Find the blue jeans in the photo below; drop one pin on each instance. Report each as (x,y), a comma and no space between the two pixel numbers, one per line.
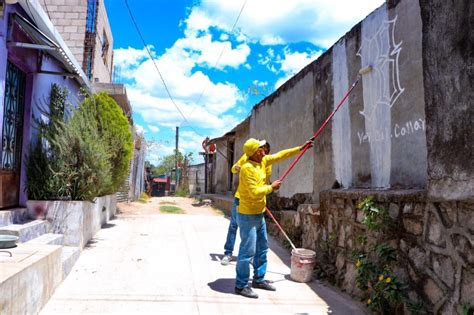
(232,232)
(253,243)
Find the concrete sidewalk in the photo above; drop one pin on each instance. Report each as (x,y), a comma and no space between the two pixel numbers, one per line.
(170,264)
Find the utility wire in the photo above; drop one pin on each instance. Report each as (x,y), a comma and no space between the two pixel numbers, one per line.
(215,66)
(159,72)
(222,51)
(156,66)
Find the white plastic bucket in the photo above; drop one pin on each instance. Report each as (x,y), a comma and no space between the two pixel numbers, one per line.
(302,264)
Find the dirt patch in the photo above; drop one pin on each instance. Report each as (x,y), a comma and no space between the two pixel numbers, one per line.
(152,207)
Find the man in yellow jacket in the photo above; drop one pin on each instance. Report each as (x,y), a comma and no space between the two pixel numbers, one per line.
(232,230)
(252,191)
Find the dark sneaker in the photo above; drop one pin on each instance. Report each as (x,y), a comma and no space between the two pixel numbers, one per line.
(247,292)
(264,285)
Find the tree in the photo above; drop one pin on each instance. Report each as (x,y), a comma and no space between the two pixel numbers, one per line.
(168,163)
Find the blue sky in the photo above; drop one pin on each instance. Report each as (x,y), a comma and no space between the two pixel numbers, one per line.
(272,41)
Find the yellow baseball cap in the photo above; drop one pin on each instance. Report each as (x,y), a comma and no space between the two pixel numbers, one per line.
(251,146)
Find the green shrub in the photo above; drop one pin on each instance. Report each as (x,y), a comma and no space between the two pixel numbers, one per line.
(44,163)
(86,159)
(114,129)
(182,192)
(78,159)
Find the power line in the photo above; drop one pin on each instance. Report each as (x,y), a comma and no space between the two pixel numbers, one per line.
(154,63)
(161,76)
(222,52)
(223,48)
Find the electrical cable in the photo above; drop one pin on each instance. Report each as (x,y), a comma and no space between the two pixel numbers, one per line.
(154,63)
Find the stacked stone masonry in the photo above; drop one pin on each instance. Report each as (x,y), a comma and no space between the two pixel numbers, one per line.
(434,242)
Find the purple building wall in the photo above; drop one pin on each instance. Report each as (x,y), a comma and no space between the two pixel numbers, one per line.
(38,85)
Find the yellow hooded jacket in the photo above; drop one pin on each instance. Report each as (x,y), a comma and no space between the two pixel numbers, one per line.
(252,190)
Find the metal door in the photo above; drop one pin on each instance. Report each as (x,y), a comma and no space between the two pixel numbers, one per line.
(10,158)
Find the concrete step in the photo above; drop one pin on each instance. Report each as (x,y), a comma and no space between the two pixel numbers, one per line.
(13,216)
(49,239)
(29,277)
(69,256)
(26,231)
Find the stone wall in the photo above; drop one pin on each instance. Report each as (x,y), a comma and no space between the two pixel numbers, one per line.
(434,242)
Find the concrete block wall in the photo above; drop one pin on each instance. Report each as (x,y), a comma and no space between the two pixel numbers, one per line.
(103,64)
(69,17)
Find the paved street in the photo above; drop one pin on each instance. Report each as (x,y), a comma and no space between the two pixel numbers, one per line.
(146,262)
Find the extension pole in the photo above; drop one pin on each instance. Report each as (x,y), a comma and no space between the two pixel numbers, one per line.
(362,71)
(281,229)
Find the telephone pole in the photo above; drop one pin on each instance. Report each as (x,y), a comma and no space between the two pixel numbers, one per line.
(176,161)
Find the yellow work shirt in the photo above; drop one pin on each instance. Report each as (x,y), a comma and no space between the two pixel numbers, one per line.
(243,159)
(252,190)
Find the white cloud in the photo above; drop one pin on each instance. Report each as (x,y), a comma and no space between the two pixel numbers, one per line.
(139,128)
(153,128)
(288,63)
(150,99)
(293,62)
(321,22)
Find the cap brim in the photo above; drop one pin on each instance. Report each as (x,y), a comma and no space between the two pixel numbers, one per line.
(262,142)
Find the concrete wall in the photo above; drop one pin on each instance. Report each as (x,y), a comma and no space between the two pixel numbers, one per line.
(448,86)
(221,167)
(78,221)
(69,17)
(196,179)
(285,120)
(377,139)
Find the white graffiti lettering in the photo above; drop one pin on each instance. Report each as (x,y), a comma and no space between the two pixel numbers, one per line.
(398,131)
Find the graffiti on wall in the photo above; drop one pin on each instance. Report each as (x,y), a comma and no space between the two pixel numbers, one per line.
(381,51)
(397,131)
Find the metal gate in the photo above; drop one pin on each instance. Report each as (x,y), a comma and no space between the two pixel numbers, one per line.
(10,163)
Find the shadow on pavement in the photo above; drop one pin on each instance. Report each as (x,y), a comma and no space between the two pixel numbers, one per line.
(225,285)
(108,225)
(338,302)
(218,257)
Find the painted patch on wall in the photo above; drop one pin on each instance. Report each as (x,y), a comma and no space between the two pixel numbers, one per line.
(381,51)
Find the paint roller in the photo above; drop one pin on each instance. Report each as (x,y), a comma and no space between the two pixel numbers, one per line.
(365,70)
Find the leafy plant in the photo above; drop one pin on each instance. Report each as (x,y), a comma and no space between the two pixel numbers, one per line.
(467,309)
(182,192)
(72,158)
(43,162)
(387,294)
(113,128)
